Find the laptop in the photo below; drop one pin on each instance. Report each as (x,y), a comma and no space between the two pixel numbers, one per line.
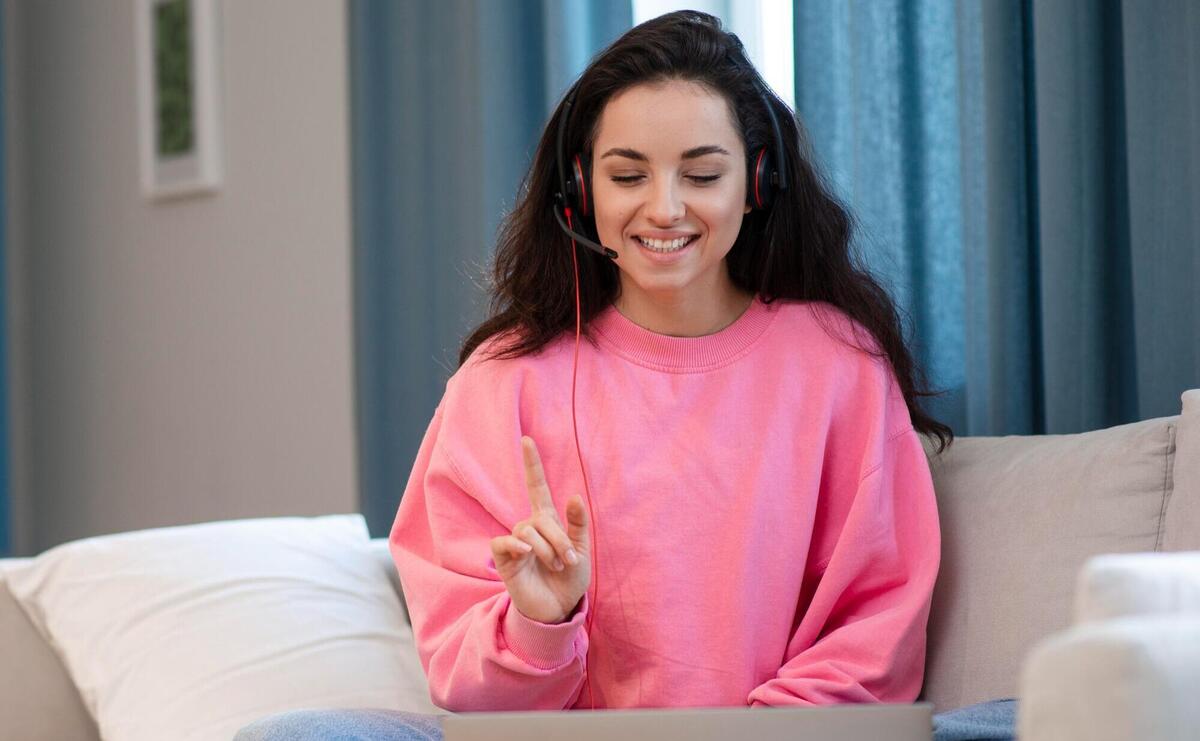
(834,722)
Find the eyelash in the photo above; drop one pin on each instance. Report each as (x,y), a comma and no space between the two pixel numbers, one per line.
(699,179)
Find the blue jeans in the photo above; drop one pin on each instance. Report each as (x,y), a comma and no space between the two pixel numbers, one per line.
(986,721)
(350,724)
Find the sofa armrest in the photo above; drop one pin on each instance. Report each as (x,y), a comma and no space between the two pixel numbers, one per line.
(1122,585)
(38,700)
(1129,678)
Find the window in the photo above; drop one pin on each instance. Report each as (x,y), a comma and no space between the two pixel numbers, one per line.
(764,26)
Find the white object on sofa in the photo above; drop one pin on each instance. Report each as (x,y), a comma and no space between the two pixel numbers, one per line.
(1130,667)
(1119,585)
(192,632)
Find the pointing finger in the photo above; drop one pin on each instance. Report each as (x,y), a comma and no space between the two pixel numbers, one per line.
(535,477)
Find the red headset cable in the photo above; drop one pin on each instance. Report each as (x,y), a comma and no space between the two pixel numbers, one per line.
(594,540)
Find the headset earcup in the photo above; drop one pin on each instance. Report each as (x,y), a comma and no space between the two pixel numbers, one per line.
(581,186)
(759,190)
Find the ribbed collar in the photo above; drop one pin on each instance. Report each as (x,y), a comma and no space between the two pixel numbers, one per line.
(683,354)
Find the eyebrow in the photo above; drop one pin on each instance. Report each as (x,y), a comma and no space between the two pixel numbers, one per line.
(690,154)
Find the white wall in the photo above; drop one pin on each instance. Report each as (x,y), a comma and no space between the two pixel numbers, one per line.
(182,361)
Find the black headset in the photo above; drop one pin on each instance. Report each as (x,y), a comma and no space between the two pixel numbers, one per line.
(767,175)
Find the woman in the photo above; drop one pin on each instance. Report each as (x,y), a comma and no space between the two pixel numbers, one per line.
(720,498)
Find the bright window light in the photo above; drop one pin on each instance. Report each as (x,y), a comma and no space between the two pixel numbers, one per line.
(764,26)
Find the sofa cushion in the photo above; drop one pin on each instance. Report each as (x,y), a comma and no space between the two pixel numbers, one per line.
(1181,531)
(1019,517)
(192,632)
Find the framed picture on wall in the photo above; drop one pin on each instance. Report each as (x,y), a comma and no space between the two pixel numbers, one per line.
(179,138)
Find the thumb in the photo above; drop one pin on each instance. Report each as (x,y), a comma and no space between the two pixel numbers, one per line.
(577,524)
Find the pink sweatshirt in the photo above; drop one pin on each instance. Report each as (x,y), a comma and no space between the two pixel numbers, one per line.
(765,526)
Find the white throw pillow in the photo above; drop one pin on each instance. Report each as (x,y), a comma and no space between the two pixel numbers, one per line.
(192,632)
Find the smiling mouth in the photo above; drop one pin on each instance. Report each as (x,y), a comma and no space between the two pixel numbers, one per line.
(664,247)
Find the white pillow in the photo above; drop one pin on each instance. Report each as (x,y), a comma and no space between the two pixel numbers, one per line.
(192,632)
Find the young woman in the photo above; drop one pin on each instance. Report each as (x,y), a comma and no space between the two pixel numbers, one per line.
(749,518)
(719,498)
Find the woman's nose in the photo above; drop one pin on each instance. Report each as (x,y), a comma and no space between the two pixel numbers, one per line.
(665,205)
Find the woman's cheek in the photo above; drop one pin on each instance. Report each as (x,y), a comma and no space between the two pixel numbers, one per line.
(613,218)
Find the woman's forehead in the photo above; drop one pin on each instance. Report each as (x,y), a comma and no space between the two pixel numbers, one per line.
(666,119)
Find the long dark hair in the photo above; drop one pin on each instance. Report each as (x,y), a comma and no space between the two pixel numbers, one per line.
(799,249)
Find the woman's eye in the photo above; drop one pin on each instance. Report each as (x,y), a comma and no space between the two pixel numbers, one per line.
(694,178)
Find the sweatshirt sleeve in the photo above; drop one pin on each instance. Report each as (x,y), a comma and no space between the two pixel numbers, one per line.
(865,601)
(479,652)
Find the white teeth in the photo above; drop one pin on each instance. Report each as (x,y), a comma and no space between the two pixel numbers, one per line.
(659,245)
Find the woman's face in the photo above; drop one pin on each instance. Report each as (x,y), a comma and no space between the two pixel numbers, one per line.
(669,168)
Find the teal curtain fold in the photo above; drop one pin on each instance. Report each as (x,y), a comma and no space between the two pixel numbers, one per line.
(1025,176)
(1162,124)
(447,103)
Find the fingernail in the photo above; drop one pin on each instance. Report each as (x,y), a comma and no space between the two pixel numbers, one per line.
(572,557)
(558,565)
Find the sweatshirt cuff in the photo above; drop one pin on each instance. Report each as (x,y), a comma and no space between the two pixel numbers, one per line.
(544,645)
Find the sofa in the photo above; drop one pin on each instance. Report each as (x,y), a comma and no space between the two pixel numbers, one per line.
(1069,575)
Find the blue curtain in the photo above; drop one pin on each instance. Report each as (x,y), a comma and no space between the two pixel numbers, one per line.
(5,519)
(1027,180)
(447,103)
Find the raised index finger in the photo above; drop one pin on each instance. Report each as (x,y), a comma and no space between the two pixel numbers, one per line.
(535,477)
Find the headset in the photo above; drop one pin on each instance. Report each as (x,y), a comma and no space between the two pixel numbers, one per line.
(767,175)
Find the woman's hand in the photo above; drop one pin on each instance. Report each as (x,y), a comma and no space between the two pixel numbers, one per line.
(546,570)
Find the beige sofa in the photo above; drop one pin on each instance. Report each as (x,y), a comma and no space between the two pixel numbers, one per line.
(1020,516)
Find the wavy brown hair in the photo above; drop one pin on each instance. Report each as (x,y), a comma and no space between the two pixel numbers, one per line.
(798,249)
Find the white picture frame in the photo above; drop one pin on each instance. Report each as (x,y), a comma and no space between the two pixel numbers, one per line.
(179,116)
